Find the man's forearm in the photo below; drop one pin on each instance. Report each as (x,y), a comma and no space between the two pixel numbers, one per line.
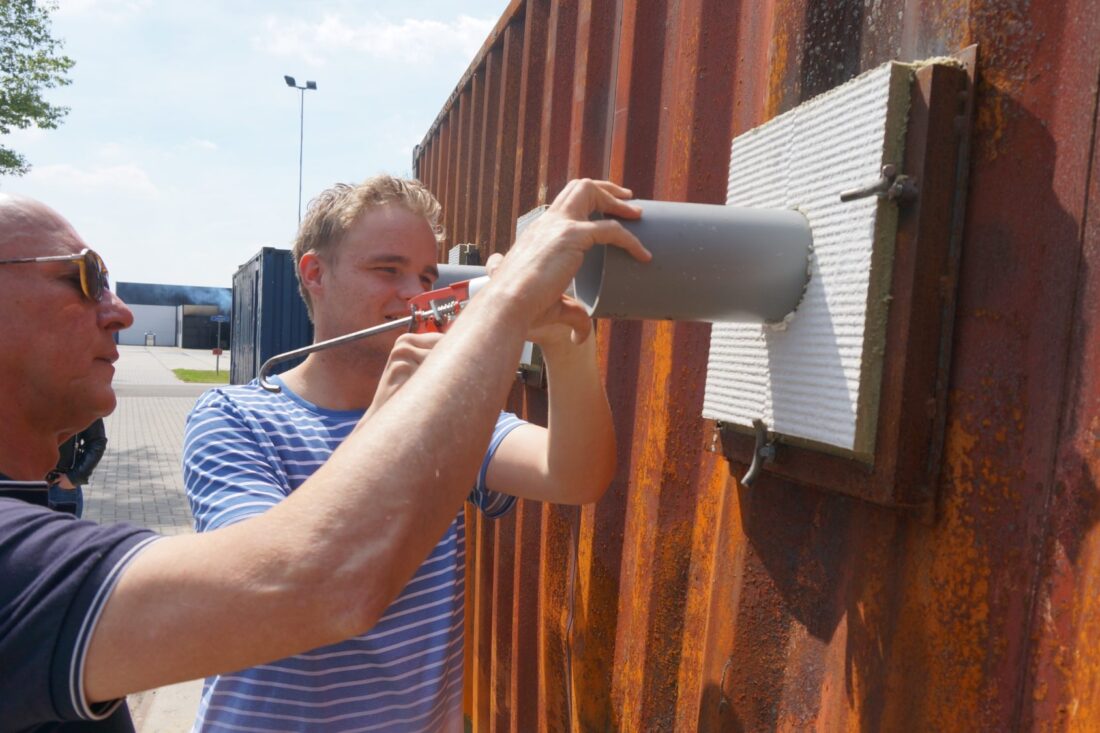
(581,439)
(325,563)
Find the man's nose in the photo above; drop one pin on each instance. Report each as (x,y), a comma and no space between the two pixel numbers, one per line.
(410,287)
(114,315)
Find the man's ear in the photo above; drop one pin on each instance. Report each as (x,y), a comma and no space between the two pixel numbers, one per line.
(311,270)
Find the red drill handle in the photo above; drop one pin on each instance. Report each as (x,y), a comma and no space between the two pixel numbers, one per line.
(433,311)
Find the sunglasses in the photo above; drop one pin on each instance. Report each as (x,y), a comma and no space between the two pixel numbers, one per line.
(93,273)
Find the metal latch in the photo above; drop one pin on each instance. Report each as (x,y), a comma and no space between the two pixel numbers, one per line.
(763,452)
(892,186)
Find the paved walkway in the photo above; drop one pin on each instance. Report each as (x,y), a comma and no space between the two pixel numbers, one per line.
(141,468)
(141,482)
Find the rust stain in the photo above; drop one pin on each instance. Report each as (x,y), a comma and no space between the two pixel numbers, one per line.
(1083,709)
(835,703)
(1055,657)
(645,491)
(865,631)
(703,586)
(1008,41)
(954,612)
(803,683)
(960,572)
(777,73)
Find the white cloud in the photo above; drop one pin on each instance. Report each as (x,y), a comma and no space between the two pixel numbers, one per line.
(410,41)
(125,179)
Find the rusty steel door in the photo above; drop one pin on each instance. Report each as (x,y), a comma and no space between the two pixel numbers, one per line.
(684,601)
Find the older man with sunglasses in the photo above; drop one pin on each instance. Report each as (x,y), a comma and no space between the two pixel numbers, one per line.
(91,613)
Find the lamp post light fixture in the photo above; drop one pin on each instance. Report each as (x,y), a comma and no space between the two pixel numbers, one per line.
(301,130)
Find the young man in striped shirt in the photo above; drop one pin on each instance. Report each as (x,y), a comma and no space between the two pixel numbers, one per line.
(362,252)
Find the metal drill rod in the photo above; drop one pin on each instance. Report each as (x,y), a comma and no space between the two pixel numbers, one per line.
(440,314)
(328,344)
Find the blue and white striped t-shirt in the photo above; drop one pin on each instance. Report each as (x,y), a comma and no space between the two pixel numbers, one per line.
(245,449)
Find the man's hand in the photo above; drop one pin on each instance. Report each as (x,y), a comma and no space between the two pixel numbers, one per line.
(544,332)
(409,352)
(542,262)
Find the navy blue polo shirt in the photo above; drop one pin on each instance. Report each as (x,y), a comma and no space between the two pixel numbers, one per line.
(56,573)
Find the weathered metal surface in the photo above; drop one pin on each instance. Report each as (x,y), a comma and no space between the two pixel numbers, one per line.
(682,601)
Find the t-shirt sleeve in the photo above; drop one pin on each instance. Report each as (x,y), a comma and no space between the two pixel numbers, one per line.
(58,573)
(492,503)
(227,466)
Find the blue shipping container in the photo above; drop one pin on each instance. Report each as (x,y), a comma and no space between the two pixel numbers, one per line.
(269,315)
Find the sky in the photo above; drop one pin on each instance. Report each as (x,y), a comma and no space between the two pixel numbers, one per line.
(178,159)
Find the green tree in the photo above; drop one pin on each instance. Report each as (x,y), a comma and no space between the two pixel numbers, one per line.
(30,62)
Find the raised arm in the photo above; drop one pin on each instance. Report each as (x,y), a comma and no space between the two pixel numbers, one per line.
(572,460)
(323,564)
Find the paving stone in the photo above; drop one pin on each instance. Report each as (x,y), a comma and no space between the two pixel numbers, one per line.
(139,480)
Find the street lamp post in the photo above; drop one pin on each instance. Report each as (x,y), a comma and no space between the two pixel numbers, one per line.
(301,130)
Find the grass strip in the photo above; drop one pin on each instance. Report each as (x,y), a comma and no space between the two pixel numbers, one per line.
(202,376)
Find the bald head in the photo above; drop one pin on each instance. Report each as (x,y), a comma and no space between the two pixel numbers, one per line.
(29,227)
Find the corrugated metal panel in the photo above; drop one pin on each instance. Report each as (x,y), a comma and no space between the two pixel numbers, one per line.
(269,316)
(693,603)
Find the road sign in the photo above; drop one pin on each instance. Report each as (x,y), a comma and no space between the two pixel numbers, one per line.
(219,318)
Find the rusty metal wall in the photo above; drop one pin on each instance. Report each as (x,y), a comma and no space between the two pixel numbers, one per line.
(695,603)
